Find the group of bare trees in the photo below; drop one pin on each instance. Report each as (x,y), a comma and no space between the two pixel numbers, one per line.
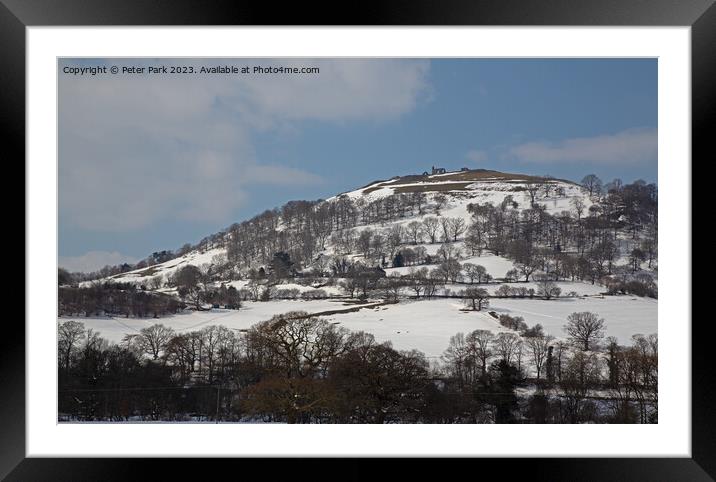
(298,368)
(576,380)
(581,244)
(306,228)
(292,368)
(123,299)
(423,282)
(195,287)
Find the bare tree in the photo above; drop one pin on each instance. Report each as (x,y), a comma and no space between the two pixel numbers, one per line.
(187,280)
(206,271)
(547,288)
(638,374)
(506,345)
(321,263)
(378,245)
(538,347)
(457,227)
(524,255)
(154,339)
(475,272)
(156,282)
(650,248)
(460,360)
(432,283)
(450,270)
(363,243)
(578,205)
(416,280)
(527,268)
(448,252)
(69,335)
(592,184)
(481,341)
(440,201)
(394,238)
(581,373)
(532,189)
(445,226)
(302,344)
(431,225)
(418,199)
(584,328)
(475,239)
(636,257)
(187,277)
(349,285)
(415,231)
(392,285)
(477,298)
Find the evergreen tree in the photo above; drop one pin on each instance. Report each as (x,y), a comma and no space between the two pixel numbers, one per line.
(505,377)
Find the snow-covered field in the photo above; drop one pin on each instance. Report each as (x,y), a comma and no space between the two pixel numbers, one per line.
(114,328)
(428,325)
(496,266)
(425,325)
(624,316)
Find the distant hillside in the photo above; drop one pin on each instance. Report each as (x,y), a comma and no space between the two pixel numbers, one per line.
(466,179)
(378,206)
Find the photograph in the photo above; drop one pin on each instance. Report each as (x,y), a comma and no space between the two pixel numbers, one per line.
(418,234)
(357,240)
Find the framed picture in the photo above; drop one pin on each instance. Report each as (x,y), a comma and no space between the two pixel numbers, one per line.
(421,231)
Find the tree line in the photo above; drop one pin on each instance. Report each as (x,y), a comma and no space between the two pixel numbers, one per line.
(298,368)
(121,299)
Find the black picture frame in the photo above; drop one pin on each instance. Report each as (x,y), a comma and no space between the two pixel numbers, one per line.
(16,15)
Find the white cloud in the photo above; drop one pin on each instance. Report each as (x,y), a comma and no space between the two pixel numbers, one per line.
(94,260)
(344,90)
(477,156)
(135,150)
(631,146)
(279,175)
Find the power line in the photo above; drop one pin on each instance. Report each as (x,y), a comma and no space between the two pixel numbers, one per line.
(129,389)
(478,394)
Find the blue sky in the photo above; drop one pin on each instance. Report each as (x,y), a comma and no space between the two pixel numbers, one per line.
(151,162)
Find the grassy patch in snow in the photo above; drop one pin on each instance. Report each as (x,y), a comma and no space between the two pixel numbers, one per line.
(452,186)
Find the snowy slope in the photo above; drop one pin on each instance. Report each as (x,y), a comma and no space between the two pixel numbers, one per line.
(425,325)
(168,268)
(475,186)
(460,189)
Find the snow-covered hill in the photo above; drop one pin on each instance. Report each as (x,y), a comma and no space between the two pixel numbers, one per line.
(477,186)
(445,195)
(415,321)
